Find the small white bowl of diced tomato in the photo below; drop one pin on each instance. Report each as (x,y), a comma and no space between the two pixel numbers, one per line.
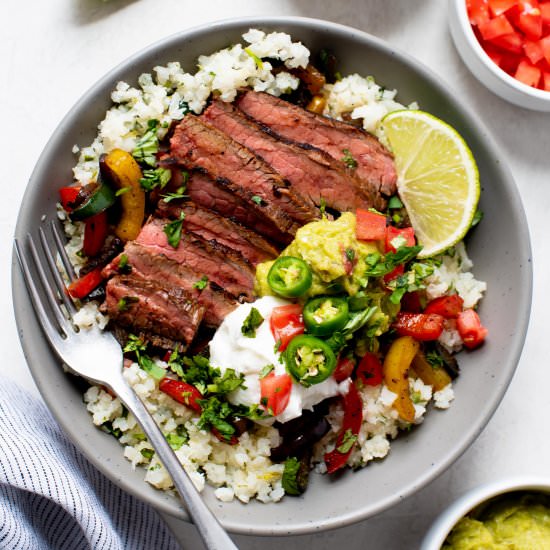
(506,45)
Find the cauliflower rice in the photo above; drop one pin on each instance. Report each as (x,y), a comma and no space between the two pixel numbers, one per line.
(244,471)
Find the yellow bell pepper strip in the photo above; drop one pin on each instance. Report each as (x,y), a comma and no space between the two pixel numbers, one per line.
(125,173)
(396,374)
(437,376)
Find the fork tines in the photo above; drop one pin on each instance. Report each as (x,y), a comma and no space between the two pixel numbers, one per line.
(55,315)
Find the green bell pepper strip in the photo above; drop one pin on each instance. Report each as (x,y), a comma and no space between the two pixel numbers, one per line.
(289,277)
(325,315)
(309,360)
(101,199)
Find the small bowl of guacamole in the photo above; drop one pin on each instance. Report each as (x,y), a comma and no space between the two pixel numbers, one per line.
(505,515)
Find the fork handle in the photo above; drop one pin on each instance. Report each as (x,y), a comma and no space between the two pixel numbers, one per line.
(213,534)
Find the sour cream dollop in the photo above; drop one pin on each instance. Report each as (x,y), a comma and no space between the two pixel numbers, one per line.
(230,349)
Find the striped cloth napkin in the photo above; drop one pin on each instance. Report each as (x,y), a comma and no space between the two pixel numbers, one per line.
(51,497)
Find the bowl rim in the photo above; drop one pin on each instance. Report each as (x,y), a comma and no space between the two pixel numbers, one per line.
(451,515)
(488,63)
(426,73)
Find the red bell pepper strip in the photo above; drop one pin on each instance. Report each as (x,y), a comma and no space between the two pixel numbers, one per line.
(286,322)
(353,416)
(447,306)
(370,226)
(85,284)
(182,392)
(420,326)
(469,326)
(369,370)
(67,196)
(96,229)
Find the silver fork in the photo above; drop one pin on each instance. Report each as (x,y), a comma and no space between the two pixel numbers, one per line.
(97,356)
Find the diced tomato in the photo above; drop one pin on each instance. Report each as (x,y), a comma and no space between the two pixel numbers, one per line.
(498,26)
(546,81)
(545,47)
(370,226)
(478,11)
(67,195)
(545,13)
(495,55)
(343,369)
(286,322)
(96,229)
(533,51)
(528,73)
(512,42)
(353,416)
(182,392)
(393,233)
(530,18)
(469,326)
(446,306)
(420,326)
(411,302)
(85,284)
(369,370)
(275,392)
(397,272)
(498,7)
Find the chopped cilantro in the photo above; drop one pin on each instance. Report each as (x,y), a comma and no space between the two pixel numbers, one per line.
(108,427)
(294,482)
(278,344)
(183,106)
(257,60)
(134,344)
(147,453)
(395,202)
(256,199)
(173,231)
(123,264)
(178,194)
(125,301)
(322,207)
(379,265)
(347,442)
(155,177)
(147,146)
(348,159)
(266,370)
(122,191)
(350,254)
(215,414)
(176,441)
(435,359)
(251,323)
(202,283)
(150,367)
(478,216)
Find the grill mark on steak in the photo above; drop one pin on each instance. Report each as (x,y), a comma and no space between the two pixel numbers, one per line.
(148,264)
(375,165)
(315,174)
(211,226)
(196,144)
(224,266)
(154,307)
(214,195)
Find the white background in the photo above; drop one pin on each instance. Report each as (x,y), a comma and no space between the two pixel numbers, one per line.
(53,51)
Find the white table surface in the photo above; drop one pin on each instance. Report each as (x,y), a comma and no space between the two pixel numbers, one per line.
(53,51)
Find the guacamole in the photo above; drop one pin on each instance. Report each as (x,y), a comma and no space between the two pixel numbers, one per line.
(520,521)
(331,250)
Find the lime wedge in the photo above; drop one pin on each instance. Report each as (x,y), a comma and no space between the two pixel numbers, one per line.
(438,180)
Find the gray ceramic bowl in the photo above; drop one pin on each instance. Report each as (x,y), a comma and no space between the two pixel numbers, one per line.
(445,522)
(499,246)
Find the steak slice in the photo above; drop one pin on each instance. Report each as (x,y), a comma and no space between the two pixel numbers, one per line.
(316,175)
(196,144)
(375,165)
(214,195)
(153,307)
(212,227)
(146,263)
(223,266)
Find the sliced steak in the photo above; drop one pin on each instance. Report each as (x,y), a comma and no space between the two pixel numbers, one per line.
(375,165)
(215,195)
(228,269)
(212,227)
(154,307)
(145,262)
(317,176)
(196,144)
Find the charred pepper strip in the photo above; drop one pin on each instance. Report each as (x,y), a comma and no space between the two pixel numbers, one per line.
(289,277)
(325,315)
(309,360)
(101,199)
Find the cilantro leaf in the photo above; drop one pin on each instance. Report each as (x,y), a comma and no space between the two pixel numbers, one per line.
(202,283)
(155,177)
(147,145)
(265,371)
(295,477)
(348,159)
(173,231)
(347,442)
(251,323)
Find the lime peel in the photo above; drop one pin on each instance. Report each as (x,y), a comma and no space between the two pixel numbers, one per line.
(438,179)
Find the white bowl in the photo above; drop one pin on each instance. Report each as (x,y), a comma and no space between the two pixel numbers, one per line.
(483,67)
(444,523)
